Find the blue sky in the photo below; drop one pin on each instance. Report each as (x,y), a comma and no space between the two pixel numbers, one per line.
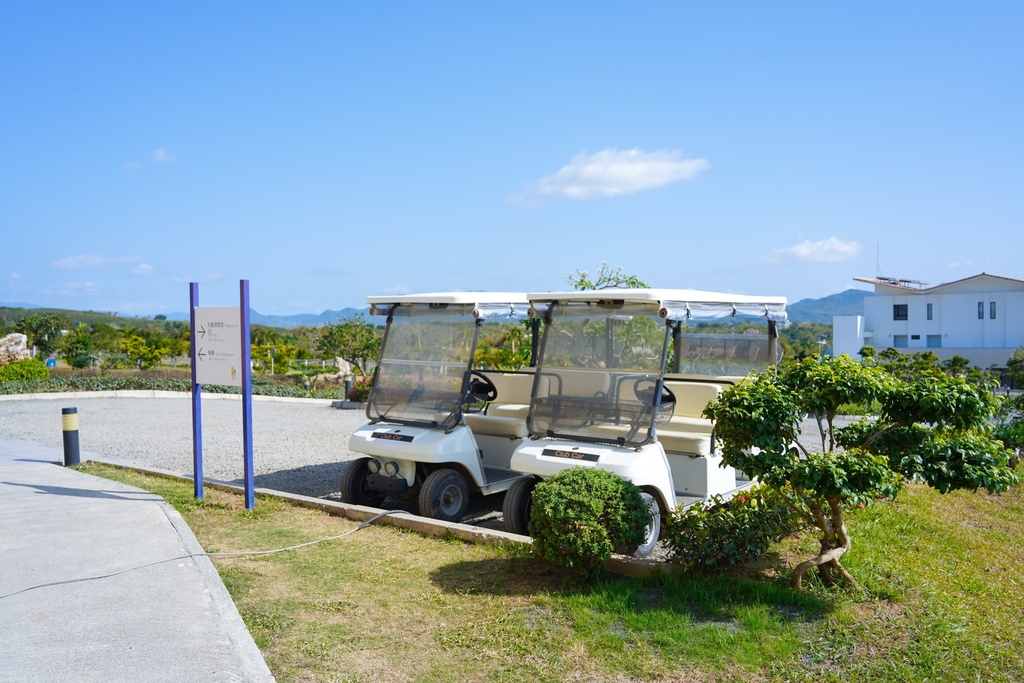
(330,151)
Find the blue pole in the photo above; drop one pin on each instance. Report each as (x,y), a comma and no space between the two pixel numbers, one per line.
(197,412)
(250,498)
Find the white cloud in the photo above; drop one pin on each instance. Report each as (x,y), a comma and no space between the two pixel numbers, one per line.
(72,289)
(131,165)
(398,290)
(79,262)
(831,250)
(17,276)
(162,156)
(142,269)
(93,261)
(969,263)
(612,172)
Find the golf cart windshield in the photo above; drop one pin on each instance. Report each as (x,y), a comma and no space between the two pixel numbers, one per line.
(600,373)
(424,365)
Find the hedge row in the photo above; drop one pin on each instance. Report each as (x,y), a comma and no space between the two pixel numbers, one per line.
(58,383)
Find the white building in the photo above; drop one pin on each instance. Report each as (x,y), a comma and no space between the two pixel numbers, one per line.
(980,318)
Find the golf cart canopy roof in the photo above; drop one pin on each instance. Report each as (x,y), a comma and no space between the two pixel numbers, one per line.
(675,304)
(484,304)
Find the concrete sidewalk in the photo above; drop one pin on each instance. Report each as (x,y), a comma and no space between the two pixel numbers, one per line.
(156,615)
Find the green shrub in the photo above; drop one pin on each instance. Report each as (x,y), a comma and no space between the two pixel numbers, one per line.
(581,515)
(24,369)
(360,389)
(724,533)
(136,381)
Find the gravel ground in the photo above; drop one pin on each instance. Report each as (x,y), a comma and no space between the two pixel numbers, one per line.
(298,447)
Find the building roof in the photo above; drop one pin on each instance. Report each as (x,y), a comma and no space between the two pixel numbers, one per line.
(904,289)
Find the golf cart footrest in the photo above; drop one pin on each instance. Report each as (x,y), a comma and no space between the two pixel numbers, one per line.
(379,482)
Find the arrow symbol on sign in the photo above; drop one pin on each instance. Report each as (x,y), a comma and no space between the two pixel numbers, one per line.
(202,331)
(200,354)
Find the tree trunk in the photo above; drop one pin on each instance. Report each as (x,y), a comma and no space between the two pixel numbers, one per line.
(834,544)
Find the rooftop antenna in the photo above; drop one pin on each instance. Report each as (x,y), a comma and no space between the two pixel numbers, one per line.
(900,281)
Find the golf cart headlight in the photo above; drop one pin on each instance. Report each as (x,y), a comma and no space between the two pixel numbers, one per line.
(391,468)
(373,466)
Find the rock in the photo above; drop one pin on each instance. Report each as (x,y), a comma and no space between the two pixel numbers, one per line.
(13,347)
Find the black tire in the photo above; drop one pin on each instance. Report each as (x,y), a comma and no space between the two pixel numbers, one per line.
(353,485)
(516,508)
(445,495)
(653,530)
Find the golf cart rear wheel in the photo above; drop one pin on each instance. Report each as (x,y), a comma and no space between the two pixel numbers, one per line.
(516,509)
(445,495)
(353,485)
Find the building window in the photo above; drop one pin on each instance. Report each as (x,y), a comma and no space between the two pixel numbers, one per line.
(915,337)
(934,341)
(992,310)
(981,310)
(929,311)
(899,341)
(899,311)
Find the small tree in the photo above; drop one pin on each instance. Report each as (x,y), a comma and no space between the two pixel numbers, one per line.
(143,354)
(605,278)
(44,331)
(78,348)
(1015,366)
(353,339)
(933,428)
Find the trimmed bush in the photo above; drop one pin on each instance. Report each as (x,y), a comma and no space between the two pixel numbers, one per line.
(581,515)
(724,533)
(24,370)
(360,389)
(89,382)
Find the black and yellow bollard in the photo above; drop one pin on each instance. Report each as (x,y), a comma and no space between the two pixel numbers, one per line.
(69,423)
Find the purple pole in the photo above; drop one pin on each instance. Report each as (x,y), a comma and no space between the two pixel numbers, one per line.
(250,498)
(197,411)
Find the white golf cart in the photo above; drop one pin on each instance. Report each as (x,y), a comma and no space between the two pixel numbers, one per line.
(621,385)
(424,441)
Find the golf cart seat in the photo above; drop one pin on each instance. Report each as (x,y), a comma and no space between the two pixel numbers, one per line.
(493,425)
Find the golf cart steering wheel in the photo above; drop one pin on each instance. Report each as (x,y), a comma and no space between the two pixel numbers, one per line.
(481,387)
(646,394)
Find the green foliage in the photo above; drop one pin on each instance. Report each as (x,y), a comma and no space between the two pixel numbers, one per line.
(581,515)
(284,354)
(353,339)
(804,340)
(26,369)
(933,427)
(360,391)
(144,354)
(44,331)
(1009,428)
(78,348)
(140,382)
(605,278)
(505,347)
(723,533)
(1015,366)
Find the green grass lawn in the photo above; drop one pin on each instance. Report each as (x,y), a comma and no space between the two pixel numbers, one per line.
(943,575)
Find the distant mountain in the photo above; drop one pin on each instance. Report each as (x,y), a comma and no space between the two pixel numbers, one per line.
(297,320)
(6,304)
(850,302)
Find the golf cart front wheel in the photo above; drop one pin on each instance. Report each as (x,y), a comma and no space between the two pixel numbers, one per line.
(353,485)
(653,530)
(516,508)
(445,495)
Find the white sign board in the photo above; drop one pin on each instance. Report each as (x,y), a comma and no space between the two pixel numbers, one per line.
(217,356)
